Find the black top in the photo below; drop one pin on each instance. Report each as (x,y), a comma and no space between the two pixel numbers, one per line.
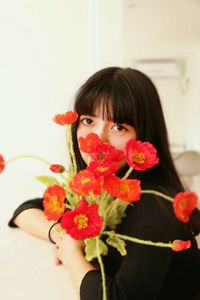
(146,272)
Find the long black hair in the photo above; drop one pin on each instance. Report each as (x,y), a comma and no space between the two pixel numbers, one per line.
(128,96)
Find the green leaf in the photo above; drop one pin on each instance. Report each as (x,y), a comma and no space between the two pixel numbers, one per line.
(48,180)
(117,243)
(72,199)
(115,213)
(91,248)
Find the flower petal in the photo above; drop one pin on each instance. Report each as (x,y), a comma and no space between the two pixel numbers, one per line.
(2,163)
(65,119)
(54,202)
(184,203)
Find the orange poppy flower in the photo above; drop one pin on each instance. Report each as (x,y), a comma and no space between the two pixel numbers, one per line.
(128,190)
(103,169)
(65,119)
(141,156)
(54,202)
(82,222)
(184,203)
(2,163)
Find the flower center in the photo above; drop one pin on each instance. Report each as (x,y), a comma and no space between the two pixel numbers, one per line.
(54,204)
(123,187)
(138,157)
(81,221)
(101,169)
(85,180)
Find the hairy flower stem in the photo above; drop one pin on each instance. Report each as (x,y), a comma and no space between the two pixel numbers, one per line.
(128,173)
(136,240)
(33,157)
(102,269)
(71,149)
(28,156)
(157,194)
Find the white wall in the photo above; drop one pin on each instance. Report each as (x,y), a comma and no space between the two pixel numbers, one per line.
(169,29)
(45,53)
(47,49)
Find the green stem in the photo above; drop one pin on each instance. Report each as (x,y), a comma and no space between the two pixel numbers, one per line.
(102,269)
(138,241)
(71,150)
(128,173)
(157,194)
(28,156)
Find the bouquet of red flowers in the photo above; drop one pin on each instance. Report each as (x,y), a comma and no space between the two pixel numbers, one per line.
(90,203)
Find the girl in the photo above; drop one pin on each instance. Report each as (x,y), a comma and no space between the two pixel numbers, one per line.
(120,104)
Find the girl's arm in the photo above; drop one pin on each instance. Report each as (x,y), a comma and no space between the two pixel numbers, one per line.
(34,222)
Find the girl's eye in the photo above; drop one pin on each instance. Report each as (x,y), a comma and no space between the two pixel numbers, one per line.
(119,128)
(86,121)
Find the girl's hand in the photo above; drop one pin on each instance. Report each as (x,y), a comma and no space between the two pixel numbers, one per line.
(71,253)
(66,247)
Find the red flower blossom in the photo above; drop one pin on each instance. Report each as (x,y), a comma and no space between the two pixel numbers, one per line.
(127,190)
(102,169)
(66,118)
(2,163)
(184,203)
(57,168)
(179,245)
(99,150)
(107,153)
(84,183)
(141,156)
(82,222)
(54,202)
(113,154)
(89,143)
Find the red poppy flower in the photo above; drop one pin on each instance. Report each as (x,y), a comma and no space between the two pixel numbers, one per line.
(65,119)
(82,222)
(99,150)
(57,168)
(54,202)
(179,245)
(89,143)
(141,156)
(107,153)
(184,203)
(128,190)
(102,169)
(2,163)
(84,183)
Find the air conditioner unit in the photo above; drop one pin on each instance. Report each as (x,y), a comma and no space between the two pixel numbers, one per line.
(160,67)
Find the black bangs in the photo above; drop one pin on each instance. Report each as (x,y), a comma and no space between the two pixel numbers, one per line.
(111,96)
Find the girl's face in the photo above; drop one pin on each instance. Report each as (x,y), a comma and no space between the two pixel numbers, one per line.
(115,134)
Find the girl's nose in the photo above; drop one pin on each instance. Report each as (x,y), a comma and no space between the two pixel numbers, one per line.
(103,134)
